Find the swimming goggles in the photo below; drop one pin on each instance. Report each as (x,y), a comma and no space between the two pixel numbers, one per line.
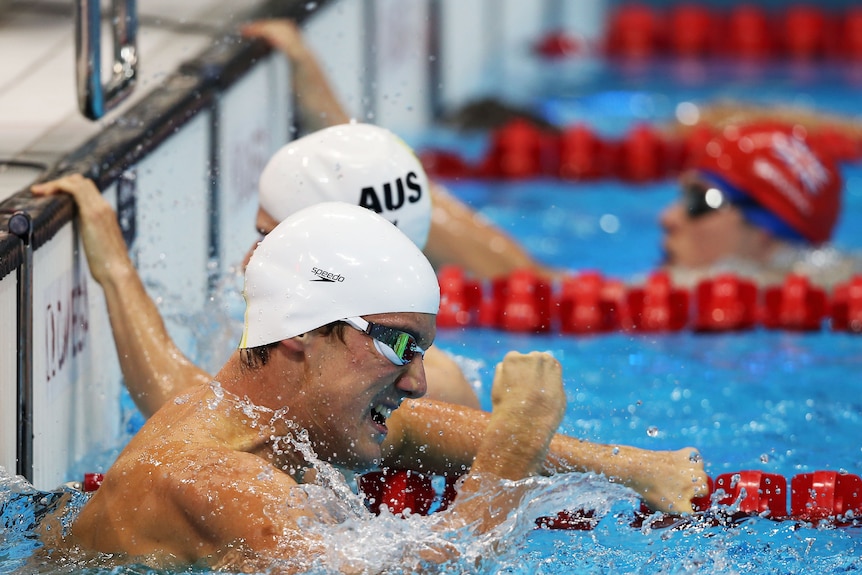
(397,346)
(701,199)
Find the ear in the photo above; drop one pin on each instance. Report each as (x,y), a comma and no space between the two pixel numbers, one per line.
(295,344)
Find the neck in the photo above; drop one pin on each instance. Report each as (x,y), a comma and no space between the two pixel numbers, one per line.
(255,425)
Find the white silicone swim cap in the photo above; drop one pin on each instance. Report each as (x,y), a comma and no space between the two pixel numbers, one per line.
(329,262)
(359,164)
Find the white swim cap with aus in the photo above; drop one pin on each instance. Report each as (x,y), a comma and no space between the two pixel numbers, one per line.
(360,164)
(329,262)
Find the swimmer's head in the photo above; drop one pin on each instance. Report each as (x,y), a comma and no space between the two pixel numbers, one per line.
(360,164)
(329,262)
(775,178)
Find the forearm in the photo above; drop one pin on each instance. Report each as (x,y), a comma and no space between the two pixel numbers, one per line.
(618,462)
(318,106)
(529,404)
(440,438)
(461,237)
(667,480)
(153,368)
(434,437)
(486,496)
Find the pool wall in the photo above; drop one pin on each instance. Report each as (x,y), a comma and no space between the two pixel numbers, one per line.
(180,162)
(155,163)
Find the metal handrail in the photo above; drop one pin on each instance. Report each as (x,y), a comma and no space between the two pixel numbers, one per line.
(95,99)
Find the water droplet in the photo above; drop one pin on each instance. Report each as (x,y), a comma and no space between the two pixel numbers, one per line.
(652,431)
(764,458)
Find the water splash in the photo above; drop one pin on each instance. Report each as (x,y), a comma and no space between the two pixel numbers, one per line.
(386,543)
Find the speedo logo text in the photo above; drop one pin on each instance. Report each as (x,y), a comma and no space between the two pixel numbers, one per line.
(325,276)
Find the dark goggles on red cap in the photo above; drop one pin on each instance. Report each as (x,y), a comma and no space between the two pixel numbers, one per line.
(701,199)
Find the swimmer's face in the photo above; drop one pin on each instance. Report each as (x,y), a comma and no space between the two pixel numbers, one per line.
(351,389)
(701,238)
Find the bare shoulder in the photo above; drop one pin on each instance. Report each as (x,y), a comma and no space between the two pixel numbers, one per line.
(187,500)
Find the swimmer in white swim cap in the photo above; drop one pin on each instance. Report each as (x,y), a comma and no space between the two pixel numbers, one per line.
(327,263)
(360,164)
(367,166)
(343,303)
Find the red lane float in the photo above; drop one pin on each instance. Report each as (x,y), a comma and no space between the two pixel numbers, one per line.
(560,44)
(516,152)
(802,30)
(521,302)
(805,32)
(851,33)
(570,520)
(520,150)
(750,33)
(583,155)
(818,497)
(399,490)
(826,496)
(92,481)
(657,305)
(445,164)
(588,302)
(634,31)
(642,155)
(846,309)
(797,305)
(460,298)
(753,492)
(691,32)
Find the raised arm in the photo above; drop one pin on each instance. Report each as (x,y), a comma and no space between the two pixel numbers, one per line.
(529,403)
(318,105)
(441,438)
(458,235)
(461,237)
(154,368)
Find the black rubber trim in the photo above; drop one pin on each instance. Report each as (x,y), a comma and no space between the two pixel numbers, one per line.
(10,251)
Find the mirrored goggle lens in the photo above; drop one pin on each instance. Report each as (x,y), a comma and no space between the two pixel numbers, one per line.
(397,346)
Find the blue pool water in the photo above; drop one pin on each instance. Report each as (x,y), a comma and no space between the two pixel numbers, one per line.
(780,402)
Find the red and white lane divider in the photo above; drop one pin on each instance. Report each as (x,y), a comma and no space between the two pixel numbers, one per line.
(520,150)
(591,303)
(819,497)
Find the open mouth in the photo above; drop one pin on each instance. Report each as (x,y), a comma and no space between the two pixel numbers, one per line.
(379,414)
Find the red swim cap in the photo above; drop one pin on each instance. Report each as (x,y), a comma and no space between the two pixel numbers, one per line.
(772,163)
